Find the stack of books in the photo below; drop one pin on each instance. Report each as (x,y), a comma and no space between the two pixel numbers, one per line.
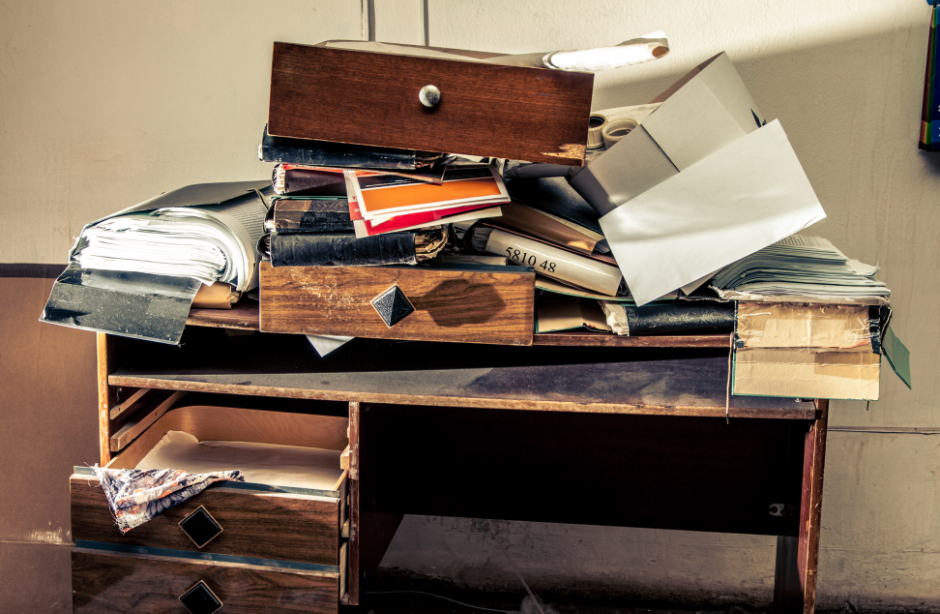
(348,205)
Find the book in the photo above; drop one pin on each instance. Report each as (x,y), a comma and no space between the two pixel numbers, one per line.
(303,180)
(136,273)
(308,214)
(382,196)
(413,221)
(323,153)
(164,236)
(344,249)
(930,116)
(549,260)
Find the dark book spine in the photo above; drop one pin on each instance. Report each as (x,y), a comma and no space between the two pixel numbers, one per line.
(317,218)
(341,249)
(324,153)
(930,124)
(680,319)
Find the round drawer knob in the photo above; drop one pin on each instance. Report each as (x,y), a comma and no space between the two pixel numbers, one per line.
(429,95)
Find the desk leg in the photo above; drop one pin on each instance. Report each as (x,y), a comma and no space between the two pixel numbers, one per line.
(797,557)
(370,531)
(106,398)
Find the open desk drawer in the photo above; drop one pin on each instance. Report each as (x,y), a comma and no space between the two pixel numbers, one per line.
(515,112)
(463,304)
(291,536)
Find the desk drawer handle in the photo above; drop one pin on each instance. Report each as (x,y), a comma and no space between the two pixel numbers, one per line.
(429,95)
(200,526)
(392,306)
(200,599)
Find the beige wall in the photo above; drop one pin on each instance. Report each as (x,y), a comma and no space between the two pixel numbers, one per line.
(103,104)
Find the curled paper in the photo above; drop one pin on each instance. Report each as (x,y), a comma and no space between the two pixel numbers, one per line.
(634,51)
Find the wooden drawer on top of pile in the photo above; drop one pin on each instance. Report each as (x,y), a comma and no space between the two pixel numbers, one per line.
(481,108)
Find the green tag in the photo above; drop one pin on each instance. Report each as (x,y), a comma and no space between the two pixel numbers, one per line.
(899,357)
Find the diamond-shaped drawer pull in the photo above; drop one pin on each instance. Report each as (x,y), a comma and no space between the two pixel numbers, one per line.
(200,599)
(200,527)
(393,306)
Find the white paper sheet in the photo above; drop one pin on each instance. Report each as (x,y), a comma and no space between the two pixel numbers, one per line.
(324,344)
(745,197)
(276,465)
(706,110)
(634,51)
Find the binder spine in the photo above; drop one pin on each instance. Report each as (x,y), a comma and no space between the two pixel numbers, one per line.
(341,249)
(930,124)
(323,153)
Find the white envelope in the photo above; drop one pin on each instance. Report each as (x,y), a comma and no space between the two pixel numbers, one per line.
(745,197)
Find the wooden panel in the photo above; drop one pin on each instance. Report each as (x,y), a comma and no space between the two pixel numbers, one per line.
(579,338)
(263,525)
(336,301)
(811,506)
(600,380)
(244,316)
(110,583)
(370,531)
(132,430)
(699,474)
(238,424)
(106,398)
(534,114)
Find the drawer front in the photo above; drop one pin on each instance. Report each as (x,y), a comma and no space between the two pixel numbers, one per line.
(276,526)
(450,305)
(363,98)
(112,582)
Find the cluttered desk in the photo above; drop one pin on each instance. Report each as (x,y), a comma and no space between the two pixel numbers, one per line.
(462,293)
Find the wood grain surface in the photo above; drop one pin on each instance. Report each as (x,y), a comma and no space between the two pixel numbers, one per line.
(591,380)
(599,339)
(520,113)
(132,430)
(244,316)
(276,526)
(239,424)
(370,531)
(107,396)
(814,462)
(104,583)
(450,305)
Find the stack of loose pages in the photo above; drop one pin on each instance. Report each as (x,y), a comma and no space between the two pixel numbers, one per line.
(801,268)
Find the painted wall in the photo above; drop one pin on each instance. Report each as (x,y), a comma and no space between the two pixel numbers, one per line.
(104,104)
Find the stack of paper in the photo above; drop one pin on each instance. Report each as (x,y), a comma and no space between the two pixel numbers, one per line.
(801,268)
(213,243)
(382,202)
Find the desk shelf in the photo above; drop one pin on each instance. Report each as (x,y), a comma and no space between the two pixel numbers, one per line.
(584,379)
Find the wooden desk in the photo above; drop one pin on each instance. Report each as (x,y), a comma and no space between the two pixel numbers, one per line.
(580,428)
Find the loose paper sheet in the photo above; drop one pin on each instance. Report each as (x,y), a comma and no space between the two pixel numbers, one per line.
(634,51)
(273,464)
(745,197)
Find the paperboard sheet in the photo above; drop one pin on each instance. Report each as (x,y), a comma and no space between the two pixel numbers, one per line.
(787,325)
(747,196)
(277,465)
(807,374)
